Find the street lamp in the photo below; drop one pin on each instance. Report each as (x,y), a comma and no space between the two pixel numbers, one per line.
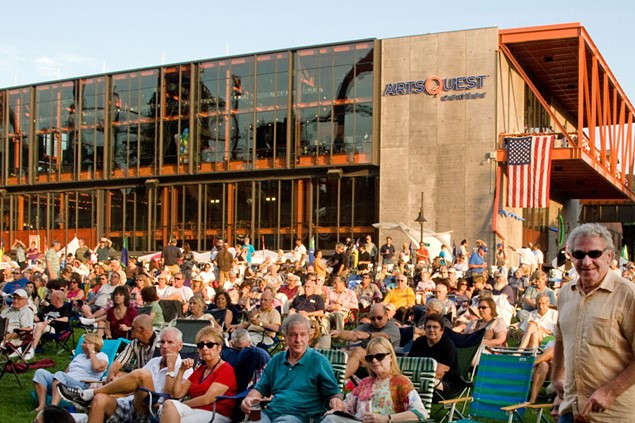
(421,219)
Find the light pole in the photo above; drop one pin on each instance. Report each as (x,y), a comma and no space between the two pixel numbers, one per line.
(421,219)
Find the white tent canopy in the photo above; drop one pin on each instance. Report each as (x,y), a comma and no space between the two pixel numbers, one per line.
(433,240)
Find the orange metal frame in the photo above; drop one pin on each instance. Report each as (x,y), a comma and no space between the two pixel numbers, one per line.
(607,140)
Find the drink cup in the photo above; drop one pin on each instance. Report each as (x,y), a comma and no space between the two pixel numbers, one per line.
(254,412)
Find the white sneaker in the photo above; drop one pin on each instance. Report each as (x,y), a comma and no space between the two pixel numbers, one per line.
(16,353)
(87,322)
(28,356)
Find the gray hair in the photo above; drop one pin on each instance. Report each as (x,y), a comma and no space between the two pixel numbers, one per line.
(295,320)
(240,336)
(435,304)
(591,230)
(177,333)
(542,295)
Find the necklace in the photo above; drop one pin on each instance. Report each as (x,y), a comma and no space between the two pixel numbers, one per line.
(205,376)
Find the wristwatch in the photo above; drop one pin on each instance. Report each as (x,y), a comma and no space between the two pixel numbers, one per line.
(172,373)
(261,325)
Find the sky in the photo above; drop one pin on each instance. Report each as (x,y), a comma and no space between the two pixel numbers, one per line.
(49,40)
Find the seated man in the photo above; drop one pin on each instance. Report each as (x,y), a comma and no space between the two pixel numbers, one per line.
(341,301)
(264,322)
(139,351)
(157,375)
(247,360)
(19,316)
(540,323)
(403,297)
(367,292)
(300,379)
(528,300)
(52,318)
(380,326)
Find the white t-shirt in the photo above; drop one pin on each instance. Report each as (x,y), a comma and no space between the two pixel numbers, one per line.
(299,252)
(80,368)
(103,295)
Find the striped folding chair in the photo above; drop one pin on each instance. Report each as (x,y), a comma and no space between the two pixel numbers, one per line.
(421,372)
(501,389)
(338,359)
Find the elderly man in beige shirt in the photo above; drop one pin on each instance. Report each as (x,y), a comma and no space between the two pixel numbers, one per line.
(593,364)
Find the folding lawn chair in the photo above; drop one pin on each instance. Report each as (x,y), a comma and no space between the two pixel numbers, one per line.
(338,359)
(60,339)
(501,389)
(421,371)
(9,363)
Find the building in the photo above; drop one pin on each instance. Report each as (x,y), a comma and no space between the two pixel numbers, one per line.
(316,142)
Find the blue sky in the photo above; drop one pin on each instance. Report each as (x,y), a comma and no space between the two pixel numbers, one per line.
(48,40)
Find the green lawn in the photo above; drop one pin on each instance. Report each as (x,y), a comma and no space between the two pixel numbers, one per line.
(16,404)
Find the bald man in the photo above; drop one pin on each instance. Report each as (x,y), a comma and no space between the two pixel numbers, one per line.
(138,352)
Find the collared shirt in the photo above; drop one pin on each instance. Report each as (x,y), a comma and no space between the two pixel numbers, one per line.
(16,319)
(548,321)
(136,354)
(268,317)
(347,299)
(300,390)
(309,304)
(400,297)
(598,338)
(389,329)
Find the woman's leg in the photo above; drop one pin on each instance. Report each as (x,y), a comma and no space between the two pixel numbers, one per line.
(169,413)
(42,381)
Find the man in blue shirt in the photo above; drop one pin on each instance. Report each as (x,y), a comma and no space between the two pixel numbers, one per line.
(477,262)
(301,380)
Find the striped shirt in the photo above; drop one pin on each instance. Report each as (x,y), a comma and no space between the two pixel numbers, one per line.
(136,354)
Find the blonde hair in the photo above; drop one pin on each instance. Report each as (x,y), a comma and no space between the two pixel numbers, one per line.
(211,332)
(94,339)
(384,344)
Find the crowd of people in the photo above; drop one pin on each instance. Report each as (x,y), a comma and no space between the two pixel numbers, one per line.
(360,299)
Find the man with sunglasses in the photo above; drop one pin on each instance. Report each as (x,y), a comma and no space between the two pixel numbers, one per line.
(379,325)
(157,375)
(593,364)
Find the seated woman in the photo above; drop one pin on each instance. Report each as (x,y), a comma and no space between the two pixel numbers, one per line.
(90,364)
(495,329)
(435,345)
(120,316)
(197,311)
(540,323)
(222,313)
(385,392)
(75,294)
(150,299)
(213,378)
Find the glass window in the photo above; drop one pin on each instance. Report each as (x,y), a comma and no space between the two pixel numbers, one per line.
(91,125)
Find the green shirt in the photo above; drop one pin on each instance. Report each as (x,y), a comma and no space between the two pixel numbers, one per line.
(302,390)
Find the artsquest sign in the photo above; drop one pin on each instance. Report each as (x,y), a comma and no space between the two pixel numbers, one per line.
(446,89)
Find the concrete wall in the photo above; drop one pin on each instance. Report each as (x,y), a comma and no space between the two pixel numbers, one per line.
(439,147)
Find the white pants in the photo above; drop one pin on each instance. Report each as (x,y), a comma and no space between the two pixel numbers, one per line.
(194,415)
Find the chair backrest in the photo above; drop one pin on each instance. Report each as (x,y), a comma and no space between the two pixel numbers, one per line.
(421,371)
(466,348)
(144,310)
(338,359)
(172,309)
(189,328)
(110,348)
(501,380)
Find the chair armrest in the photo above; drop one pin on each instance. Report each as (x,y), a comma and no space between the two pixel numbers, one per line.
(455,400)
(539,406)
(516,406)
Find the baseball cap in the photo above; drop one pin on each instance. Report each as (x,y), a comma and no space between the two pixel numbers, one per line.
(483,248)
(21,293)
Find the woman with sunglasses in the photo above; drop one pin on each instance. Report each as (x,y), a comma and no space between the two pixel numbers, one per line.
(384,396)
(495,328)
(213,378)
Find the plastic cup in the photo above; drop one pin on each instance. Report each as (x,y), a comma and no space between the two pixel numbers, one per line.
(255,412)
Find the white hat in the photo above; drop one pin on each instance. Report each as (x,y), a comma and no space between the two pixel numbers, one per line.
(21,293)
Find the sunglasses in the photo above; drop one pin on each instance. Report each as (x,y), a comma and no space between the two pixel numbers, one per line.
(209,345)
(378,357)
(579,255)
(377,318)
(482,307)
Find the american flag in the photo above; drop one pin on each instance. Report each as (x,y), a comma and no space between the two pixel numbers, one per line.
(528,170)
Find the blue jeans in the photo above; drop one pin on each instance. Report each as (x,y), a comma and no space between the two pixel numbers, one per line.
(280,419)
(565,418)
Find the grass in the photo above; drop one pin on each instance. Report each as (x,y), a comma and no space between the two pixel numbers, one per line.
(16,404)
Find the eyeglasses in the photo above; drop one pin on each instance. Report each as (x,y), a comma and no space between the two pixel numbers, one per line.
(433,327)
(482,307)
(209,345)
(378,357)
(178,279)
(593,254)
(377,318)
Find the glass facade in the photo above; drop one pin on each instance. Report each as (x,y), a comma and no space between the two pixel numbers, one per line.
(219,148)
